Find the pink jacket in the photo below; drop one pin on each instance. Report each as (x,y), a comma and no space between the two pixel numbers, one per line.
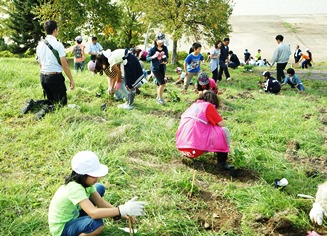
(196,132)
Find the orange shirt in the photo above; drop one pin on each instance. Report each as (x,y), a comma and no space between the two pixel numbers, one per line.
(306,57)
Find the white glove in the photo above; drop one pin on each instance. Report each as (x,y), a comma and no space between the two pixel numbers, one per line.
(317,214)
(132,208)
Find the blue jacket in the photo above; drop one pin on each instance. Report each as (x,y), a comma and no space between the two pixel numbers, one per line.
(294,80)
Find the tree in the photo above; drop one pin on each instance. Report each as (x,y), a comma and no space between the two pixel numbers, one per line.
(26,31)
(190,17)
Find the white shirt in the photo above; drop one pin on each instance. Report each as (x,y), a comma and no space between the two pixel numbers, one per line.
(95,48)
(48,60)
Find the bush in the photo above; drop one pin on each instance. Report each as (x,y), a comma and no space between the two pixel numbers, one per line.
(6,53)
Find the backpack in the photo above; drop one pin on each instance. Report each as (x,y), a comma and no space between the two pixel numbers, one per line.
(77,52)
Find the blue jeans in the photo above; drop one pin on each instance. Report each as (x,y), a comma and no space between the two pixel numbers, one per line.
(84,223)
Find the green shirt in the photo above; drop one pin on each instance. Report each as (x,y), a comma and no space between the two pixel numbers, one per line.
(64,205)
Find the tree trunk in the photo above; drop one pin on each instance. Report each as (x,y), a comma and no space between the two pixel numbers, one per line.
(174,56)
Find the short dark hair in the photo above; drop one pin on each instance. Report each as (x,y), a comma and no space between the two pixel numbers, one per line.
(94,38)
(50,26)
(226,39)
(197,45)
(279,37)
(290,71)
(230,52)
(80,179)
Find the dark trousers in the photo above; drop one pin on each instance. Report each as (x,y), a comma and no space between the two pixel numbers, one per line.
(223,68)
(280,71)
(54,88)
(215,74)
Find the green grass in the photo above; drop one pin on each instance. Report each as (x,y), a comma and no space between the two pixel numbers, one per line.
(139,148)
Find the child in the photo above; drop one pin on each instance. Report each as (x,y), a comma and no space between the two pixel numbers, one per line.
(77,208)
(158,57)
(271,85)
(181,75)
(79,56)
(202,129)
(192,64)
(293,80)
(206,83)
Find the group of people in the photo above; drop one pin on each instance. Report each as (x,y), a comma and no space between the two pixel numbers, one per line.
(77,207)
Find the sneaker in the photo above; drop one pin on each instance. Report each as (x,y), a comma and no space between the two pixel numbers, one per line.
(228,78)
(45,109)
(125,106)
(160,101)
(30,104)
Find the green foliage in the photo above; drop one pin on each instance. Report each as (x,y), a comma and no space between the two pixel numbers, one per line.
(26,31)
(139,148)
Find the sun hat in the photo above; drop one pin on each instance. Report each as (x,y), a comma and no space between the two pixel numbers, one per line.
(107,53)
(79,38)
(203,78)
(307,49)
(87,163)
(91,66)
(266,73)
(178,69)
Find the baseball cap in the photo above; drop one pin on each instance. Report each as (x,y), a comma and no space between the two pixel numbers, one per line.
(160,37)
(91,66)
(79,38)
(87,163)
(178,69)
(266,73)
(203,78)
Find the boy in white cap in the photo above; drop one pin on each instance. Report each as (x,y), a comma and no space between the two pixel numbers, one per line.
(79,55)
(77,208)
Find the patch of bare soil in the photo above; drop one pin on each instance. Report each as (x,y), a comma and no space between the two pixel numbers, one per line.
(219,214)
(210,166)
(244,95)
(278,225)
(172,114)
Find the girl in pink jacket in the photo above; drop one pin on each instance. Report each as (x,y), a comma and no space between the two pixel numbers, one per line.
(201,129)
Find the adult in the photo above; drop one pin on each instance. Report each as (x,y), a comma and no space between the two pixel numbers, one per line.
(77,208)
(247,56)
(79,54)
(51,62)
(95,48)
(158,57)
(224,60)
(297,54)
(214,60)
(281,57)
(202,129)
(306,59)
(234,62)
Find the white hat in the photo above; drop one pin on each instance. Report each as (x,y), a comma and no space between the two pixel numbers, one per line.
(79,38)
(307,49)
(87,163)
(107,53)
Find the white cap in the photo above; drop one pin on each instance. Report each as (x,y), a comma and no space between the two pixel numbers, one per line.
(79,38)
(87,163)
(107,53)
(307,49)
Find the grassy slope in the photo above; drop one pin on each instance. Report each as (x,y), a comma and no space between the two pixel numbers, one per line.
(139,148)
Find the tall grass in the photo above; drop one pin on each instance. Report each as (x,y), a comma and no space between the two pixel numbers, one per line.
(139,148)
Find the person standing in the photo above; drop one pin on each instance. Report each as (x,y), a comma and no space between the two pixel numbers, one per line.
(95,48)
(158,57)
(247,56)
(52,79)
(297,54)
(79,56)
(214,60)
(281,57)
(223,60)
